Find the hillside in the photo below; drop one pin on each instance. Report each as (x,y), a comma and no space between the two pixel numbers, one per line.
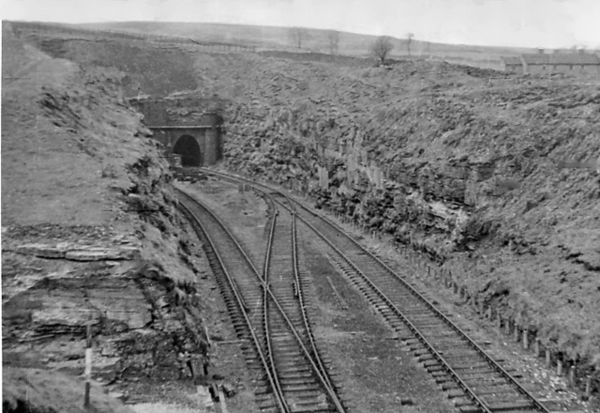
(314,40)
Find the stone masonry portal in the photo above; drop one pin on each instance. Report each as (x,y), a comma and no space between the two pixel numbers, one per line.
(194,141)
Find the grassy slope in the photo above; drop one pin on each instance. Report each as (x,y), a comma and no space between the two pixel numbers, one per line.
(316,40)
(41,141)
(155,71)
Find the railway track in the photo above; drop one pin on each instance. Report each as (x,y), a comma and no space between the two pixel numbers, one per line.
(472,379)
(268,313)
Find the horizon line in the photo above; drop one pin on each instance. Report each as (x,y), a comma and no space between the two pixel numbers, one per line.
(595,49)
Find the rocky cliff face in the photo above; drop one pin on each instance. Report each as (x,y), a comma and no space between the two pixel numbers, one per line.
(91,234)
(493,176)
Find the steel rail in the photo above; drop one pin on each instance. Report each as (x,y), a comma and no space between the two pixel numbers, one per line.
(280,400)
(315,359)
(300,292)
(440,315)
(405,284)
(330,392)
(266,304)
(299,288)
(469,392)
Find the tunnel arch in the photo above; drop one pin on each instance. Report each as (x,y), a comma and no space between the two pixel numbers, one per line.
(187,146)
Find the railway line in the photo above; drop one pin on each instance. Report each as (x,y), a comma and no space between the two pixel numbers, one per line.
(472,379)
(268,312)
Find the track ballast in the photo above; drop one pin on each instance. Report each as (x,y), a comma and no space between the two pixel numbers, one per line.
(470,376)
(268,312)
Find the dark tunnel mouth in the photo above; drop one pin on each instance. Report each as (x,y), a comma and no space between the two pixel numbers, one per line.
(188,148)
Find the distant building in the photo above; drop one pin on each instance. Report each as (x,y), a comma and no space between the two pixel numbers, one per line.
(513,64)
(540,63)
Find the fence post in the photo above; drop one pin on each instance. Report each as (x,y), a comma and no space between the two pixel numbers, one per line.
(588,387)
(571,375)
(559,367)
(507,327)
(88,365)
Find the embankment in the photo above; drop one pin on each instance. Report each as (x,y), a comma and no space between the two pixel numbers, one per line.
(90,236)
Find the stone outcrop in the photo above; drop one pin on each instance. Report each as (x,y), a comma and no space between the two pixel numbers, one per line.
(91,235)
(490,175)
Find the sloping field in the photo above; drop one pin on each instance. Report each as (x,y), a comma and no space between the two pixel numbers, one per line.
(313,40)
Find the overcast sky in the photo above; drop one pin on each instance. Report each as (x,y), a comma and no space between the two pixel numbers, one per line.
(531,23)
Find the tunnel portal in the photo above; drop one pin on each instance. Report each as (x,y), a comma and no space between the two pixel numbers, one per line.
(188,148)
(188,140)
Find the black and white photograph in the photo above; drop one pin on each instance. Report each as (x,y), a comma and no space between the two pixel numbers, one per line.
(296,206)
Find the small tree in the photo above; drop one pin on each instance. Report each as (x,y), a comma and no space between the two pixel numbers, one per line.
(333,38)
(381,48)
(409,37)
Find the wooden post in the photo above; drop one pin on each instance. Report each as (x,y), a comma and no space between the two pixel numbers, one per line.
(588,387)
(559,367)
(208,340)
(525,338)
(548,359)
(222,403)
(571,375)
(88,365)
(507,327)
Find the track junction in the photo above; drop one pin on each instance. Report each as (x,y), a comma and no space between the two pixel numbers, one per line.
(269,312)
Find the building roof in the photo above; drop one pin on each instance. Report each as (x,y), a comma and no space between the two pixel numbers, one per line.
(574,59)
(536,58)
(561,59)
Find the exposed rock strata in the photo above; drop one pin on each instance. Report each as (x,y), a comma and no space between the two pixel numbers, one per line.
(493,176)
(90,233)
